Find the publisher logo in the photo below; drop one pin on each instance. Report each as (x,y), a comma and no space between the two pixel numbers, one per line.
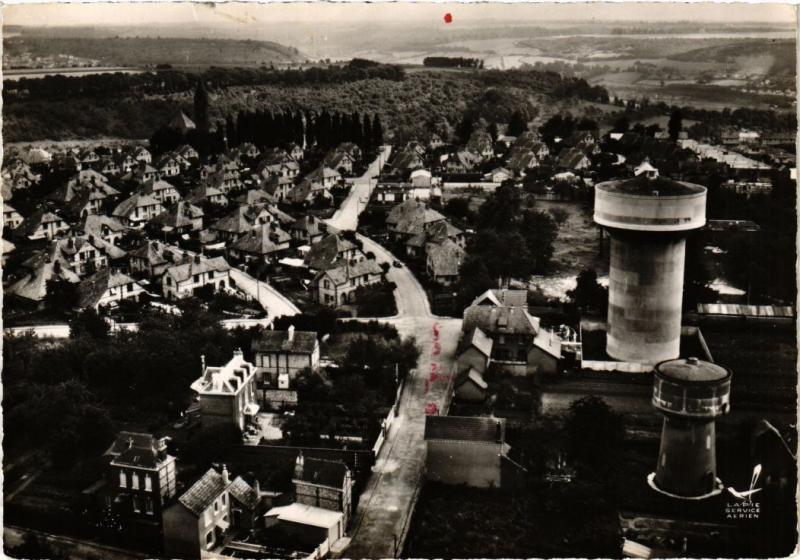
(742,510)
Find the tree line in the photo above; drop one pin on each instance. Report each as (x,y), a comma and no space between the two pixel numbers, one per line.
(452,62)
(174,81)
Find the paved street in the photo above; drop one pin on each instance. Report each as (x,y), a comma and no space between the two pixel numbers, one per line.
(346,217)
(270,299)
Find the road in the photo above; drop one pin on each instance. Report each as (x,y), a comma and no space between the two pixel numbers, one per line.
(346,217)
(386,505)
(275,303)
(71,548)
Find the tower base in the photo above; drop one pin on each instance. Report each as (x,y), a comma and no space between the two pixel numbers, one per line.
(718,488)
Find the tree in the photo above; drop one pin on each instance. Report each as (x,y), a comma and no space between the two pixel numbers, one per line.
(588,294)
(622,124)
(465,128)
(516,124)
(377,131)
(595,434)
(675,124)
(492,130)
(61,295)
(201,106)
(475,279)
(540,231)
(89,323)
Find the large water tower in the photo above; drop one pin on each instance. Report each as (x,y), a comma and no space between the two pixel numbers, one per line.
(691,394)
(648,218)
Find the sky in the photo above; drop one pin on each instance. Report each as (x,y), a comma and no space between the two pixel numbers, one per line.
(141,13)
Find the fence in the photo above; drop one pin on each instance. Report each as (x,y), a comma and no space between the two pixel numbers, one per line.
(387,422)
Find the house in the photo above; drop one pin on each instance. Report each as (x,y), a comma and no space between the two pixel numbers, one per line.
(332,251)
(152,258)
(406,160)
(324,175)
(443,261)
(84,254)
(184,217)
(138,209)
(142,173)
(227,394)
(107,166)
(410,218)
(435,142)
(519,346)
(502,297)
(181,280)
(140,475)
(89,201)
(307,230)
(498,175)
(109,229)
(162,191)
(470,387)
(466,450)
(8,248)
(313,527)
(265,243)
(124,162)
(337,286)
(522,161)
(255,197)
(277,186)
(88,157)
(306,192)
(646,169)
(249,150)
(573,158)
(206,193)
(281,355)
(195,525)
(474,351)
(11,218)
(142,154)
(463,162)
(340,161)
(480,144)
(242,220)
(41,268)
(295,151)
(323,484)
(351,149)
(42,224)
(167,166)
(188,153)
(106,288)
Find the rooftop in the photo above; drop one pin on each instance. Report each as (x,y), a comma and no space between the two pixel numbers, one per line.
(465,428)
(646,186)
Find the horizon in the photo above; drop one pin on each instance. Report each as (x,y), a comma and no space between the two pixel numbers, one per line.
(247,14)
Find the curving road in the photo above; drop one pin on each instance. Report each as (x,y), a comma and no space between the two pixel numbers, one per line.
(346,217)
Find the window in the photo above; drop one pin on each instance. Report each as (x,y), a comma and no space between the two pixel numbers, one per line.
(148,505)
(327,283)
(136,505)
(135,481)
(209,538)
(196,278)
(216,506)
(148,483)
(224,499)
(123,480)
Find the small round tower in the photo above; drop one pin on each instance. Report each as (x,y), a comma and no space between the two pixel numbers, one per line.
(648,218)
(691,394)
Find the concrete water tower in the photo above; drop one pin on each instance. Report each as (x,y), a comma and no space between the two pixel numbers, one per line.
(691,394)
(648,219)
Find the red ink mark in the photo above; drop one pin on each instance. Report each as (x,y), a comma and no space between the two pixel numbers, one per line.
(437,348)
(433,376)
(436,330)
(427,386)
(448,17)
(431,409)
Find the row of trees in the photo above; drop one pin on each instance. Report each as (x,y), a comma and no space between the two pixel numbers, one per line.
(174,81)
(452,62)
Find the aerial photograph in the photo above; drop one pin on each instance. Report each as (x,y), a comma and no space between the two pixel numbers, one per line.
(399,280)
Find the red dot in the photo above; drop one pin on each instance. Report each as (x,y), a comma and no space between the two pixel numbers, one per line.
(448,17)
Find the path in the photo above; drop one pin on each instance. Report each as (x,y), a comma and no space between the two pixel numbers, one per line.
(346,217)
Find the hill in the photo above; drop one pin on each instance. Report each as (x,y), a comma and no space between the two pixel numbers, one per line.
(780,56)
(150,51)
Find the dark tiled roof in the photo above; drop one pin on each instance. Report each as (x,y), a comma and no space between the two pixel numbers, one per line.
(203,492)
(135,449)
(303,342)
(325,254)
(243,493)
(92,288)
(477,338)
(500,320)
(465,428)
(324,472)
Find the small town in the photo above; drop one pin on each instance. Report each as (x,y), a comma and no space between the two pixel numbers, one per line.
(313,332)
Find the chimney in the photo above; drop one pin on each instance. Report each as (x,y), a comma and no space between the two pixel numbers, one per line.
(257,488)
(202,364)
(130,442)
(161,449)
(498,431)
(237,353)
(299,466)
(197,259)
(225,476)
(290,333)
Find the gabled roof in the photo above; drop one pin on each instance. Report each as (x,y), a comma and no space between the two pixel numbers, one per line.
(182,122)
(204,192)
(445,258)
(302,342)
(503,297)
(477,338)
(343,273)
(156,253)
(30,224)
(244,493)
(321,173)
(135,450)
(93,225)
(203,492)
(570,158)
(127,207)
(473,376)
(411,217)
(182,215)
(152,186)
(324,254)
(263,241)
(500,320)
(310,225)
(92,288)
(33,286)
(184,271)
(324,472)
(481,429)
